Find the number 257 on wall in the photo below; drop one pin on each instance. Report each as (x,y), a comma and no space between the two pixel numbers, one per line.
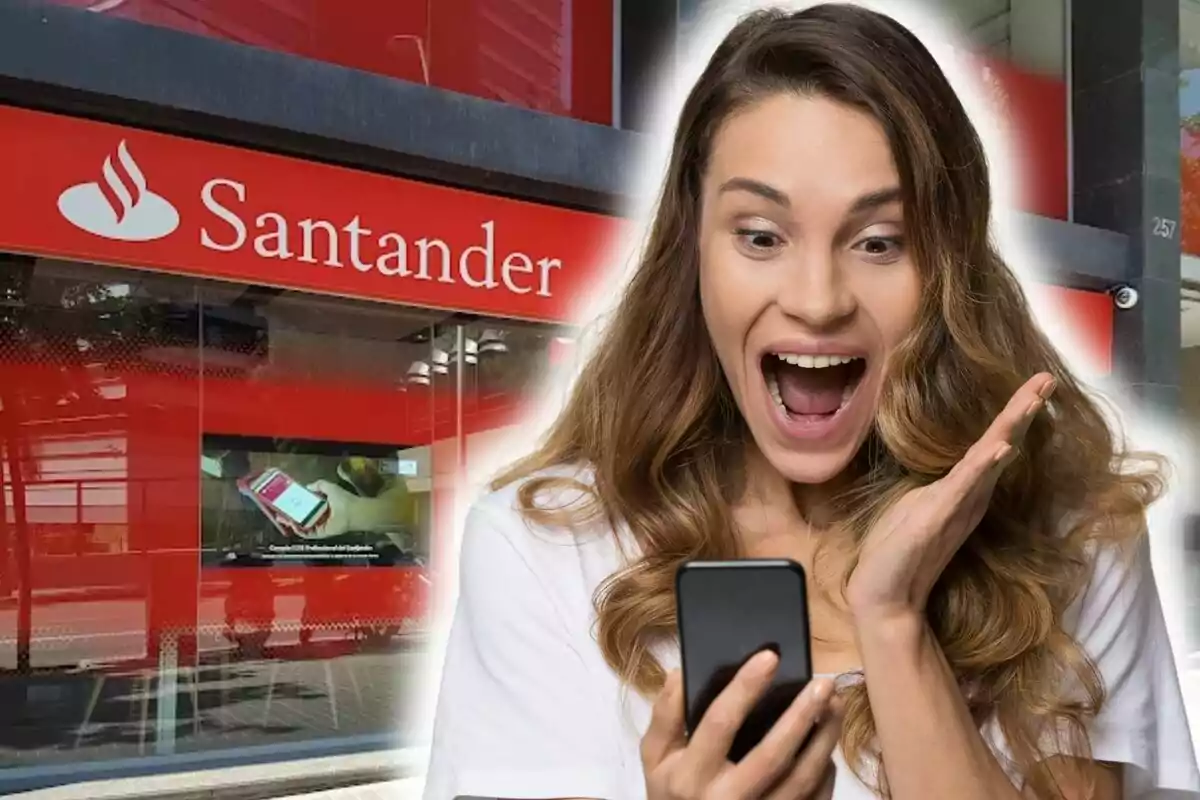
(1164,228)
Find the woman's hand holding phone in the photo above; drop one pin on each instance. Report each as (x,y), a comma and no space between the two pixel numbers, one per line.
(783,766)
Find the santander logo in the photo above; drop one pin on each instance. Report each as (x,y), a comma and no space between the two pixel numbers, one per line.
(120,206)
(256,232)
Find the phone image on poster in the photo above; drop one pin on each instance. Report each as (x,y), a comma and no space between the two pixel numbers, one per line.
(297,504)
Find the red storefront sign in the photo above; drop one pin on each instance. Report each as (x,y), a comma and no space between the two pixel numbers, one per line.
(98,192)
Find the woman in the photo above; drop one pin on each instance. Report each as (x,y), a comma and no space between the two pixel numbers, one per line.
(821,357)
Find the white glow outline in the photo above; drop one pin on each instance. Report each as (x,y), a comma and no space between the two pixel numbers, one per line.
(961,69)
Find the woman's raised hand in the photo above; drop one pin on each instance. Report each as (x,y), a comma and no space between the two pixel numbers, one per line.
(906,551)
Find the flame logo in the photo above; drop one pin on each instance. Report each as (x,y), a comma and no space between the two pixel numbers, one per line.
(124,189)
(119,206)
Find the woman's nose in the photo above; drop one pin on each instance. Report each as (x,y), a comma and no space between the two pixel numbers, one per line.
(814,291)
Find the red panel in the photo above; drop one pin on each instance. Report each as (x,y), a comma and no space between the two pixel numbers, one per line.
(1189,165)
(380,36)
(1090,315)
(223,212)
(592,41)
(1037,108)
(549,55)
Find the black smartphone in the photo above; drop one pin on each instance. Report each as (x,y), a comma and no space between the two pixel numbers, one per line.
(727,612)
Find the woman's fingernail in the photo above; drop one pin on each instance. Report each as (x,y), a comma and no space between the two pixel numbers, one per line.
(1034,407)
(822,691)
(764,661)
(1048,389)
(1002,453)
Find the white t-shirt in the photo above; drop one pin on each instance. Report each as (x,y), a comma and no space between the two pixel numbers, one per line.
(529,709)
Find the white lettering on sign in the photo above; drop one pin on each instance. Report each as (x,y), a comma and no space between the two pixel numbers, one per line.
(273,243)
(355,231)
(424,246)
(395,261)
(516,262)
(208,197)
(489,260)
(309,227)
(320,241)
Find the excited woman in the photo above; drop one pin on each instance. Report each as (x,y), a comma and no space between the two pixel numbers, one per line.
(821,357)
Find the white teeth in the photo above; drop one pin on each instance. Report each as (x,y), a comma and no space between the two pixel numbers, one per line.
(815,362)
(808,362)
(773,388)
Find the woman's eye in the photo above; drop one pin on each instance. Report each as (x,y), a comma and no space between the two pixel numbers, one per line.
(759,241)
(881,248)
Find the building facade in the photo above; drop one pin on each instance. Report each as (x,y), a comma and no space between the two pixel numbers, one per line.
(253,249)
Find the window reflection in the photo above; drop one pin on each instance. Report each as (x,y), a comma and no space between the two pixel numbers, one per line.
(73,577)
(511,361)
(137,411)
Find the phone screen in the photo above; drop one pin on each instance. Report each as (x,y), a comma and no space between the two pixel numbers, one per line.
(729,611)
(288,497)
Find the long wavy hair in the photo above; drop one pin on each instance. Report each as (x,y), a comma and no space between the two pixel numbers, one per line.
(653,420)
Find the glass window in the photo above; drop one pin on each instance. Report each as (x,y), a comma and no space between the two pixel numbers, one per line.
(504,360)
(234,486)
(74,577)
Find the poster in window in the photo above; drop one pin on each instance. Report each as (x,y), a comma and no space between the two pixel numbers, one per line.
(280,502)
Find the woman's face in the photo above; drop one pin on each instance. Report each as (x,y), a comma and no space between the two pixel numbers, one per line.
(806,281)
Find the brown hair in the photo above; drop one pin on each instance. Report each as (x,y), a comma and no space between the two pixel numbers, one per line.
(653,419)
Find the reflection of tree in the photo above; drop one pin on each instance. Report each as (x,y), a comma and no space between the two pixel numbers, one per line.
(16,273)
(66,334)
(56,339)
(101,316)
(15,277)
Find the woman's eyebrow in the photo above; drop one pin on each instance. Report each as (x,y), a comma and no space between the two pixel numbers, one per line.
(872,201)
(763,190)
(864,206)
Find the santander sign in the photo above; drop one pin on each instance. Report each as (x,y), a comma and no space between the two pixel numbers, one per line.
(126,197)
(122,207)
(319,241)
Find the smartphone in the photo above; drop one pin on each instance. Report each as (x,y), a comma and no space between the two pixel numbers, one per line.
(727,612)
(297,504)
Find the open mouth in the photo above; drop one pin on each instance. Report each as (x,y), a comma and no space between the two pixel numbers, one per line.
(812,388)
